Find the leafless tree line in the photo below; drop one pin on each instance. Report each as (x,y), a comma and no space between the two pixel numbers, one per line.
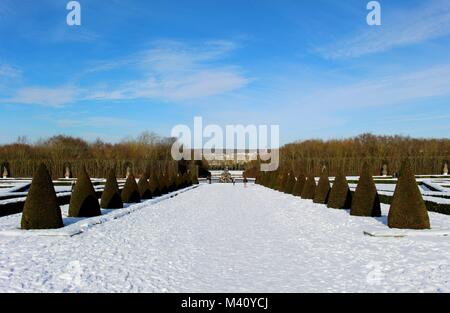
(147,152)
(427,156)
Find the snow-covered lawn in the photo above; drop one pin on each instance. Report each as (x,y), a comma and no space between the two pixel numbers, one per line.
(225,238)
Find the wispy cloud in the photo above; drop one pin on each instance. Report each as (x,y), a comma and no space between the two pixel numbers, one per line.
(384,91)
(409,26)
(70,34)
(174,71)
(5,8)
(52,97)
(169,70)
(195,85)
(8,71)
(418,118)
(94,122)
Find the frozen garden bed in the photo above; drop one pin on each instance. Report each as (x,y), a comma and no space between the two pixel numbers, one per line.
(225,238)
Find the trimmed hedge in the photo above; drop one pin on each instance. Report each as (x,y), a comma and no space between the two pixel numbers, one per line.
(130,192)
(441,208)
(144,188)
(309,190)
(289,183)
(154,186)
(41,209)
(408,210)
(299,184)
(111,198)
(323,190)
(84,201)
(340,195)
(366,201)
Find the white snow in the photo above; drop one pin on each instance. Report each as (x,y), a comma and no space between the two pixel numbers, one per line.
(76,226)
(225,238)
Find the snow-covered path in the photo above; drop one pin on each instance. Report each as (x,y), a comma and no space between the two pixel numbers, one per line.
(225,238)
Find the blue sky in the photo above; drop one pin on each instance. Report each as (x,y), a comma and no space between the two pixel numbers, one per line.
(313,67)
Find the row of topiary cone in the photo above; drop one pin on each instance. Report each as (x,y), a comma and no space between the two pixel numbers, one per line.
(41,209)
(407,210)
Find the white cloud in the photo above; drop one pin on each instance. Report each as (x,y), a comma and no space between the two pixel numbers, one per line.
(170,71)
(5,7)
(406,27)
(70,34)
(173,71)
(7,71)
(52,97)
(389,90)
(94,122)
(195,85)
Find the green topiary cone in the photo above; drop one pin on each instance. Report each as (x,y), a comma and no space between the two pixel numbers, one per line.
(130,192)
(154,186)
(84,201)
(172,183)
(41,209)
(162,186)
(195,179)
(340,195)
(299,185)
(111,194)
(271,180)
(289,183)
(323,189)
(274,182)
(144,188)
(187,179)
(408,211)
(366,201)
(265,179)
(279,181)
(309,189)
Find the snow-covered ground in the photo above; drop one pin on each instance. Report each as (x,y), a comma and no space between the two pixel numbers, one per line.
(225,238)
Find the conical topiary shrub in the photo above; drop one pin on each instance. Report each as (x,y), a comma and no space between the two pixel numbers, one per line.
(163,184)
(274,180)
(340,195)
(183,182)
(41,209)
(187,180)
(366,201)
(299,184)
(195,179)
(283,181)
(262,177)
(179,181)
(130,192)
(408,211)
(269,180)
(154,186)
(144,187)
(289,183)
(84,201)
(277,181)
(111,194)
(265,179)
(323,189)
(171,185)
(309,190)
